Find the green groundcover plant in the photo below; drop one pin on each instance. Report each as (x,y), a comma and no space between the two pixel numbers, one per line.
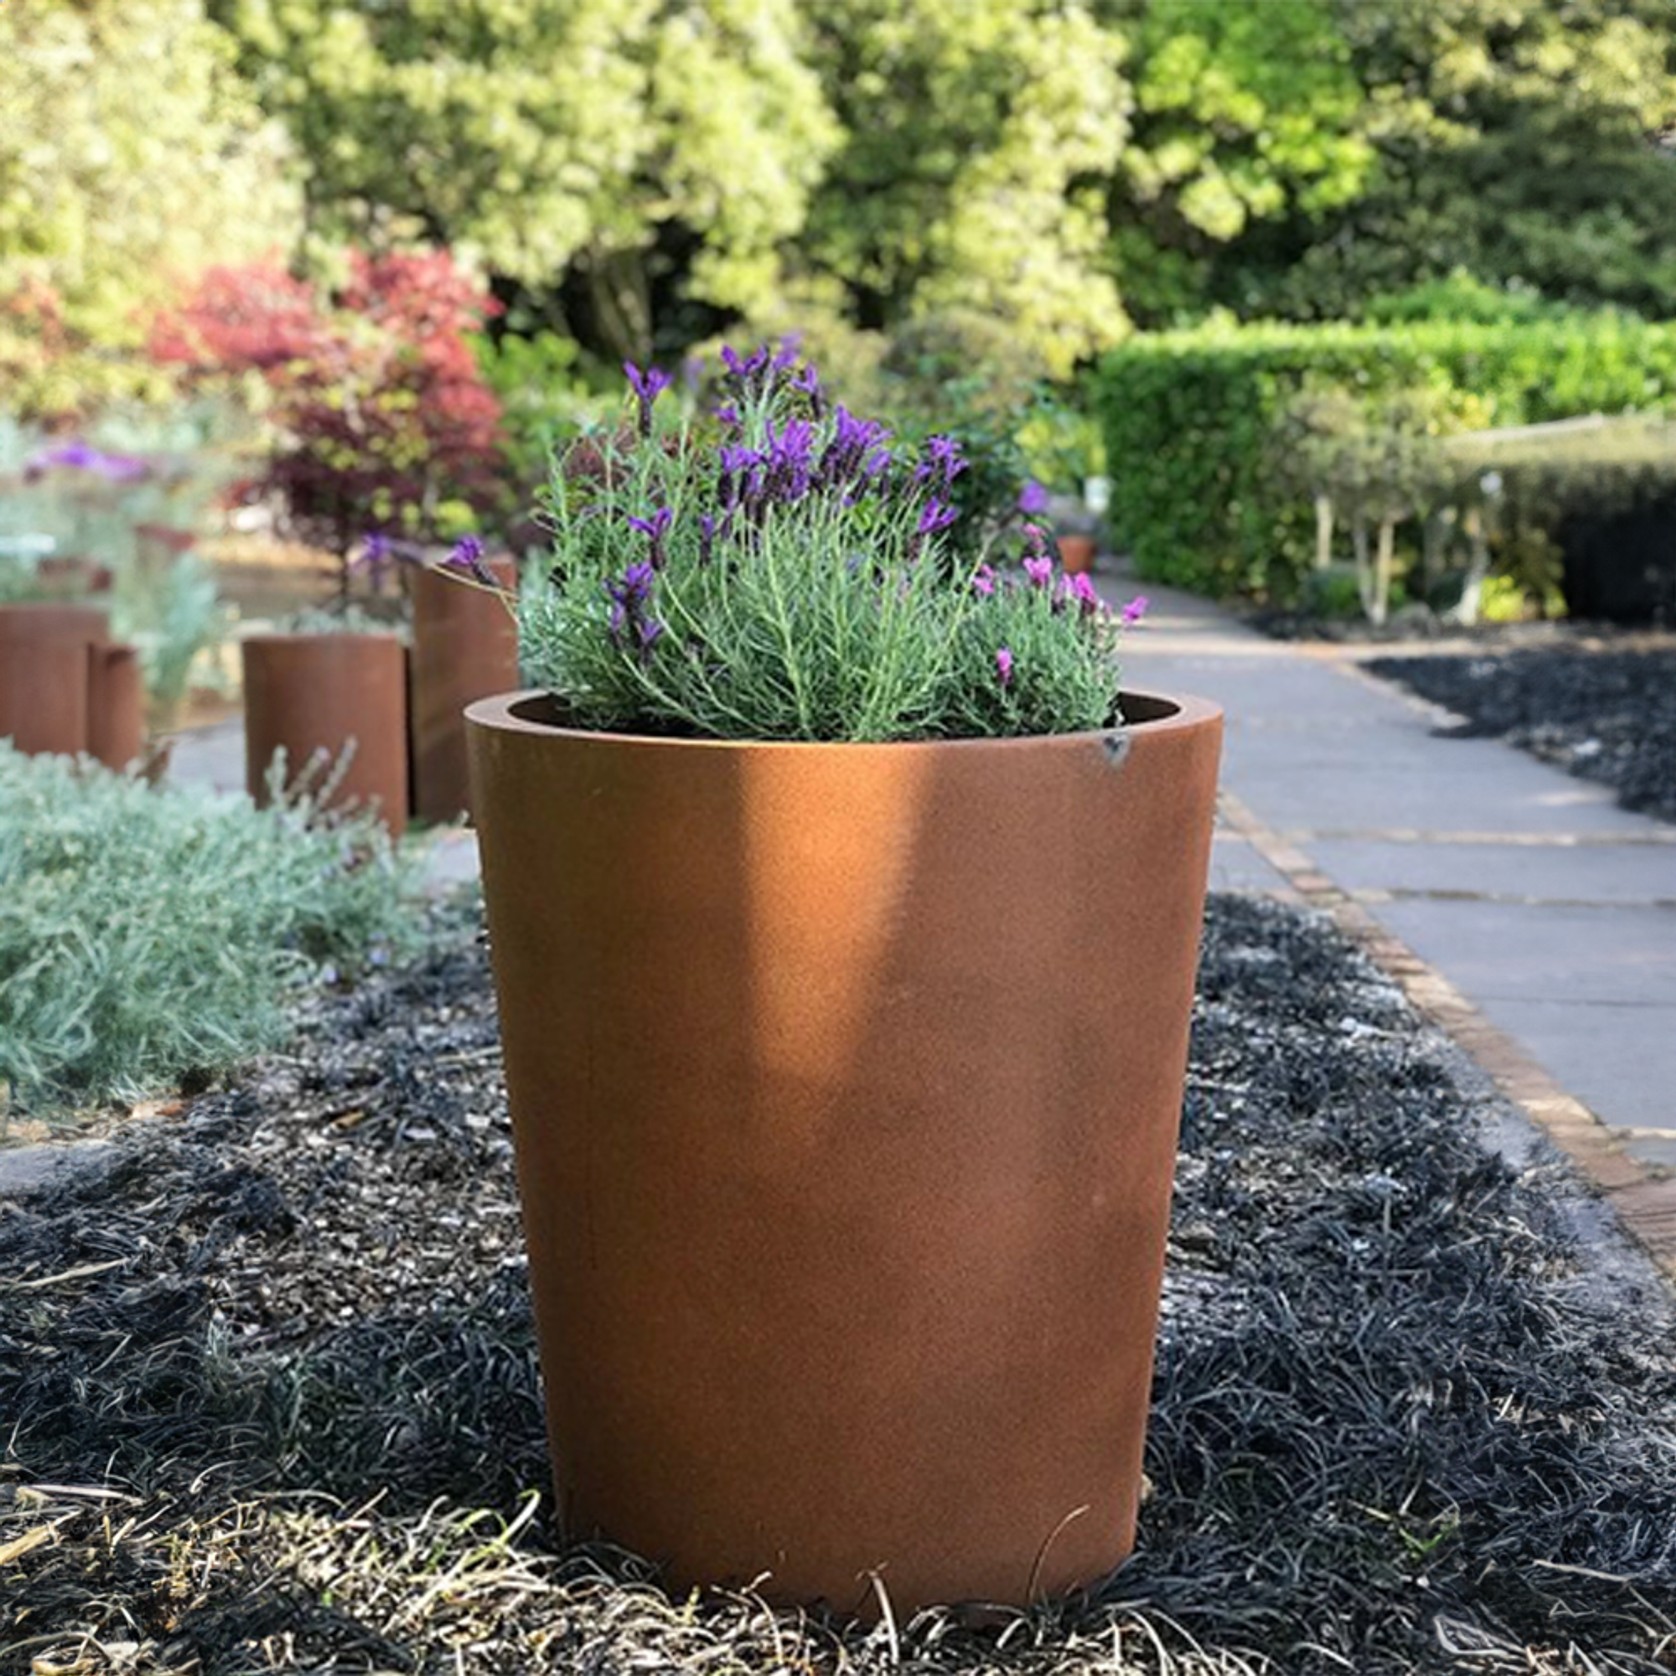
(147,934)
(780,569)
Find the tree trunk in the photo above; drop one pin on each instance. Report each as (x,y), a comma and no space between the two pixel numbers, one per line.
(1364,569)
(1382,566)
(1478,568)
(1323,531)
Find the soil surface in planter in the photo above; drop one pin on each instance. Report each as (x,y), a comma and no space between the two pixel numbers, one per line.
(1603,712)
(268,1380)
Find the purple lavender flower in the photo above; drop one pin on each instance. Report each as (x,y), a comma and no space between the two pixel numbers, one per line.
(1083,591)
(1004,666)
(1032,498)
(83,456)
(942,458)
(1134,610)
(647,387)
(747,371)
(707,526)
(1039,568)
(983,580)
(727,414)
(467,554)
(634,586)
(654,529)
(375,556)
(808,383)
(936,516)
(790,466)
(846,453)
(740,482)
(628,623)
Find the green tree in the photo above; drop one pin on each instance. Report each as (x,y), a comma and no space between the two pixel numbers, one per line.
(1246,113)
(978,139)
(131,153)
(652,151)
(1517,140)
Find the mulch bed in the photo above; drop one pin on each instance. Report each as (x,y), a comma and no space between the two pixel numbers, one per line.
(1604,712)
(268,1396)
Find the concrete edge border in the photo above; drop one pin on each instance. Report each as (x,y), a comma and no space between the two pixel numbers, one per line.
(1643,1198)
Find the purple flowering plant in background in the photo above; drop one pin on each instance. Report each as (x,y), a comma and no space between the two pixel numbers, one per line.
(82,456)
(779,567)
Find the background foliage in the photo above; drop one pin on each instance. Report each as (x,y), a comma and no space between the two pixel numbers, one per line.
(954,200)
(131,155)
(641,174)
(1203,498)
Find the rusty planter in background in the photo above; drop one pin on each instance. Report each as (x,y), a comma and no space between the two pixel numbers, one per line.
(845,1082)
(465,647)
(115,705)
(45,674)
(1076,553)
(310,695)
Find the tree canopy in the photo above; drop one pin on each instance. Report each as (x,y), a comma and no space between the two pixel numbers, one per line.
(642,174)
(131,153)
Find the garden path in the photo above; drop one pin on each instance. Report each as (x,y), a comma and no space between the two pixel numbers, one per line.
(1521,906)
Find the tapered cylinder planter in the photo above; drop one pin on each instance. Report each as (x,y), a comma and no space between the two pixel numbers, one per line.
(845,1082)
(1076,553)
(311,695)
(465,647)
(44,674)
(115,705)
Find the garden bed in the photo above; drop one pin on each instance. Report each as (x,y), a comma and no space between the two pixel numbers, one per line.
(270,1398)
(1602,710)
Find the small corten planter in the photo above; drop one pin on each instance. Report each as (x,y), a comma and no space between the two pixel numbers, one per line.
(311,694)
(845,1099)
(115,705)
(465,647)
(46,653)
(1076,553)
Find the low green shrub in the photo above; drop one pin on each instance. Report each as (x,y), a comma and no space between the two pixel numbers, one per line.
(150,933)
(1191,420)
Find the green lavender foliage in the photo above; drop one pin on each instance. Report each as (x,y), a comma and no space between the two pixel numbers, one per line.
(147,933)
(824,611)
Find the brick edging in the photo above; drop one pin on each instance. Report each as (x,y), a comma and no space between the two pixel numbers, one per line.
(1644,1199)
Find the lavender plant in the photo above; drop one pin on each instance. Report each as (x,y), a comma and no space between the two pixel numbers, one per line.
(780,569)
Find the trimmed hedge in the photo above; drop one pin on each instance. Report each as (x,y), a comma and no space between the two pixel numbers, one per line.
(1189,421)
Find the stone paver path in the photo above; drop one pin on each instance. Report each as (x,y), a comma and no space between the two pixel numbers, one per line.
(1537,903)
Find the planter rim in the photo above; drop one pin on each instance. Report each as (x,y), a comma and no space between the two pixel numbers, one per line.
(1174,713)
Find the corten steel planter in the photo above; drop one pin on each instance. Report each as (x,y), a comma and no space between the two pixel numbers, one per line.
(115,705)
(465,647)
(45,652)
(1076,553)
(310,694)
(845,1099)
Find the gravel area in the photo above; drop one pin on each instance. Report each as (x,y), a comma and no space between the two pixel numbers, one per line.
(1604,712)
(270,1399)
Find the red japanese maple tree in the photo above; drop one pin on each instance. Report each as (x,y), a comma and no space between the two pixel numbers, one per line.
(380,411)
